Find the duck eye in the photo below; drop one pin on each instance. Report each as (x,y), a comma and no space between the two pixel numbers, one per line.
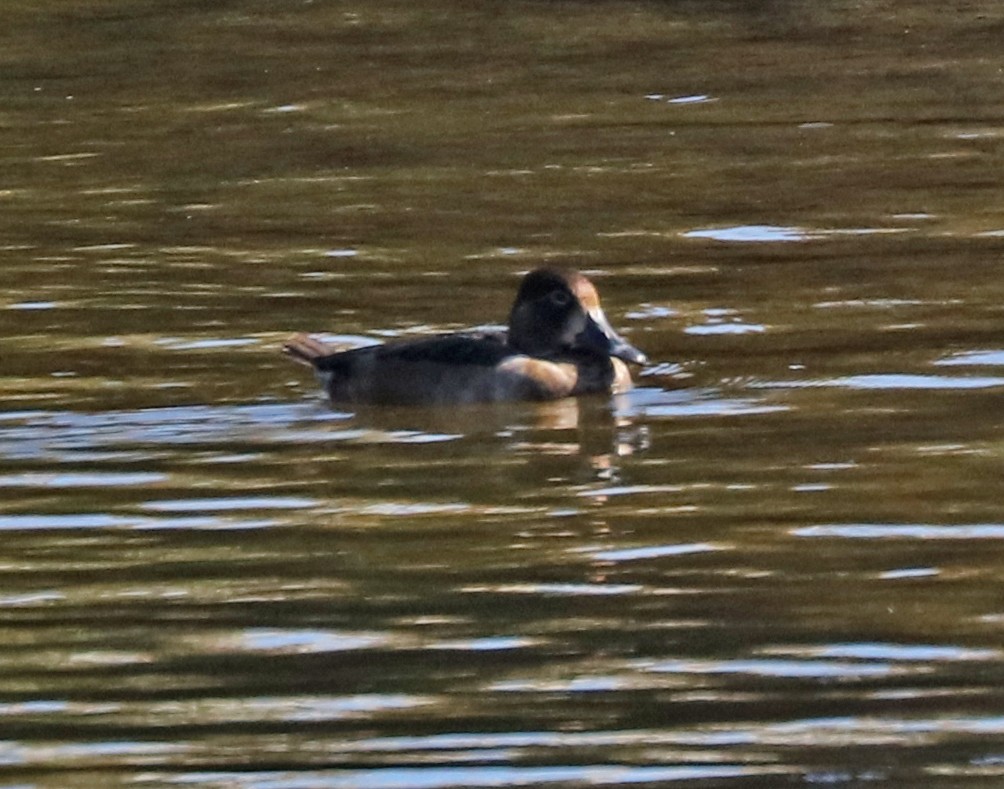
(560,298)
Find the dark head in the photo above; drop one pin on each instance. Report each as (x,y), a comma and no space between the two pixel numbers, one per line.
(558,310)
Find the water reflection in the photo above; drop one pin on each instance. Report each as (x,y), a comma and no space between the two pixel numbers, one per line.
(775,234)
(913,531)
(893,381)
(448,777)
(775,562)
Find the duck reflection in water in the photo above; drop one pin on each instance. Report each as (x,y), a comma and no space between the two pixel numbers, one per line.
(603,433)
(558,344)
(580,439)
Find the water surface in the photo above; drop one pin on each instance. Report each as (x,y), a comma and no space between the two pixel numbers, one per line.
(776,562)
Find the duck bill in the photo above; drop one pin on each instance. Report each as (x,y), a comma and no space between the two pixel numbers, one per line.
(599,336)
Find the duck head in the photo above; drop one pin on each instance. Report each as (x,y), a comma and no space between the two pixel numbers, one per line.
(558,310)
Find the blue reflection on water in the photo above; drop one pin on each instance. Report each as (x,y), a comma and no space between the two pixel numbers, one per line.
(912,531)
(448,777)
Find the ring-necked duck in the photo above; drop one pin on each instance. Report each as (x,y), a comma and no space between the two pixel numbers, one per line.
(559,344)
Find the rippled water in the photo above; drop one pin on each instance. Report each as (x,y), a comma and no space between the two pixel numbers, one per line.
(775,562)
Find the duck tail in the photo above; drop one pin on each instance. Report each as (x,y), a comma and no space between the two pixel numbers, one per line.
(306,349)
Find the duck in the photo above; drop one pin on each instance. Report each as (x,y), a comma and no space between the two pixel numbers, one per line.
(558,344)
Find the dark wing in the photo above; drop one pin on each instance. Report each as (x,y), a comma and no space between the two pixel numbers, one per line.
(481,349)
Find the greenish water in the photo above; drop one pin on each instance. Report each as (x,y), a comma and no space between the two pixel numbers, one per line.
(776,562)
